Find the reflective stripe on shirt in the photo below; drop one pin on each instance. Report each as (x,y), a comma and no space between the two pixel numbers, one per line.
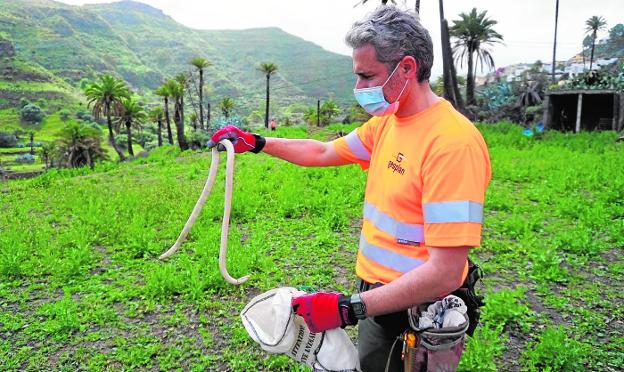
(356,146)
(453,211)
(403,232)
(388,258)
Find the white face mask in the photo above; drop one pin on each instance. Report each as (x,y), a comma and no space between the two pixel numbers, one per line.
(373,99)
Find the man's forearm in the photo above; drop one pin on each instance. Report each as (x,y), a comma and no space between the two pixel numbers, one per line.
(306,152)
(424,283)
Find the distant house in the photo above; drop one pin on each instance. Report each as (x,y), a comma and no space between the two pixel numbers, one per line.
(577,110)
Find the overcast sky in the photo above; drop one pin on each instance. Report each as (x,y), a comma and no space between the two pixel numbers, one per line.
(527,26)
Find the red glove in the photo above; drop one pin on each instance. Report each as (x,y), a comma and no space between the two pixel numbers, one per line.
(243,141)
(322,311)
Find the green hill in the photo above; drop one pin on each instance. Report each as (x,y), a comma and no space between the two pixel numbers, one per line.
(144,46)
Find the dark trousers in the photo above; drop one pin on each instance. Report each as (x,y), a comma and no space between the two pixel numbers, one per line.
(376,336)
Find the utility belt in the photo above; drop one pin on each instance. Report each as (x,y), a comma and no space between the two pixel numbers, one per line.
(426,349)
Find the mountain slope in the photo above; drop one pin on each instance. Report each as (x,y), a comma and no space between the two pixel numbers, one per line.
(145,46)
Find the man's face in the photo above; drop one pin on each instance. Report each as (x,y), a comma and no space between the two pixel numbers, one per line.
(371,73)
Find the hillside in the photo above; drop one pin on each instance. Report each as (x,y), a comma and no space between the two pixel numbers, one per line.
(144,46)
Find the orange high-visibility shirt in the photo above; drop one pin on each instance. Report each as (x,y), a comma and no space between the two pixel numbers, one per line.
(427,176)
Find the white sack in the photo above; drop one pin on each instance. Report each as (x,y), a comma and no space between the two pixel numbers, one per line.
(270,321)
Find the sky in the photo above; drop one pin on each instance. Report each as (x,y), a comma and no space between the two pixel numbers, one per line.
(527,26)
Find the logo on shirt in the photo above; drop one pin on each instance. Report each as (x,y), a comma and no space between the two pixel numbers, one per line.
(396,167)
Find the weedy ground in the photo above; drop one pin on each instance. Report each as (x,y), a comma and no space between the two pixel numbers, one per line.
(81,287)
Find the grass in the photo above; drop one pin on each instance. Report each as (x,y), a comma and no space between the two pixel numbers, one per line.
(82,287)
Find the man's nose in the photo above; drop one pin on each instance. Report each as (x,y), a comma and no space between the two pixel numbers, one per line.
(361,83)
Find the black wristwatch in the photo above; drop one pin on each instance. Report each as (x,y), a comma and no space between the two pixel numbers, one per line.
(359,308)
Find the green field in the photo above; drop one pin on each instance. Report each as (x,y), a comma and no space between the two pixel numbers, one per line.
(81,287)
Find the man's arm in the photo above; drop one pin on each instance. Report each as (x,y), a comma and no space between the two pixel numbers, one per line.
(440,275)
(305,152)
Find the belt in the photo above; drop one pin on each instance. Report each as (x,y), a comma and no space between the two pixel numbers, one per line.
(364,286)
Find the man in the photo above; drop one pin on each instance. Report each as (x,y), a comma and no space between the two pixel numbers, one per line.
(428,169)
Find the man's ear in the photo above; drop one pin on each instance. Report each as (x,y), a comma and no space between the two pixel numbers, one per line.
(409,67)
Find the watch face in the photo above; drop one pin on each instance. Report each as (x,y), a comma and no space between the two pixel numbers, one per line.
(358,307)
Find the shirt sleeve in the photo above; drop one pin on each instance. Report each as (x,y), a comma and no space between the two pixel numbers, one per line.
(454,185)
(357,146)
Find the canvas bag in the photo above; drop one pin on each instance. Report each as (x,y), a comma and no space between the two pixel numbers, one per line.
(270,321)
(441,332)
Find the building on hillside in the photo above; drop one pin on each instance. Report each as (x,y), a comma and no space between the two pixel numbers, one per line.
(584,109)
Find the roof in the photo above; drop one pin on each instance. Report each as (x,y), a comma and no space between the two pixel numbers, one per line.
(583,91)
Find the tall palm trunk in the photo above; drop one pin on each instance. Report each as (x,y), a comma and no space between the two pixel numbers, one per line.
(159,132)
(417,7)
(201,99)
(208,115)
(470,79)
(591,58)
(447,59)
(178,118)
(266,111)
(111,135)
(168,120)
(555,41)
(129,134)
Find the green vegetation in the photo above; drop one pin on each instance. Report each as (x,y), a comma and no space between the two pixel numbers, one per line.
(81,286)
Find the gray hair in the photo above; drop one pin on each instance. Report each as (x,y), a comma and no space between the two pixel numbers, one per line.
(394,34)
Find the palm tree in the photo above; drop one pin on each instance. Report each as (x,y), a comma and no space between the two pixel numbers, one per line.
(176,90)
(328,110)
(593,25)
(163,91)
(555,42)
(473,33)
(105,96)
(268,69)
(79,145)
(226,106)
(156,115)
(201,63)
(133,116)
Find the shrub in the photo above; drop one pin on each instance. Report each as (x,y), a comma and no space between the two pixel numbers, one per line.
(23,102)
(122,141)
(64,114)
(8,139)
(25,159)
(32,114)
(197,139)
(42,102)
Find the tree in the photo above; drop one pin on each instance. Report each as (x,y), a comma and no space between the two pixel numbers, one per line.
(451,88)
(201,63)
(473,32)
(310,115)
(79,145)
(176,90)
(592,26)
(133,115)
(31,114)
(156,115)
(226,105)
(617,32)
(193,120)
(329,109)
(268,69)
(163,91)
(105,96)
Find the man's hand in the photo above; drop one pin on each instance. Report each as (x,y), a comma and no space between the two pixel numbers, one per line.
(242,141)
(322,311)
